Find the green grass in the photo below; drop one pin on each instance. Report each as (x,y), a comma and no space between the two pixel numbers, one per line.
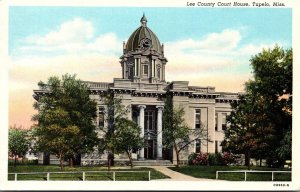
(102,176)
(210,173)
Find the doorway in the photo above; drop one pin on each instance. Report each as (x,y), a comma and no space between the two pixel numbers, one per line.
(149,149)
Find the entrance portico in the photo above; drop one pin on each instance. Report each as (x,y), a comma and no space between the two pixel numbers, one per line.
(149,118)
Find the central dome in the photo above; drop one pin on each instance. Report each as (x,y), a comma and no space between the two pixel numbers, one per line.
(142,34)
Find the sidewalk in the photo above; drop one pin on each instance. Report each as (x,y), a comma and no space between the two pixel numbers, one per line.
(176,176)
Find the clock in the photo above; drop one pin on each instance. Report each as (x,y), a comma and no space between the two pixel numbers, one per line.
(145,43)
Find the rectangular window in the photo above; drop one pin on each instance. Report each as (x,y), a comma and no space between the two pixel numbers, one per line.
(145,69)
(216,121)
(198,146)
(158,73)
(224,123)
(197,118)
(216,147)
(130,72)
(149,121)
(101,117)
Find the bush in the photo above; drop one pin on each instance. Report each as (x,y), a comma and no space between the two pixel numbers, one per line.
(23,162)
(228,158)
(191,157)
(211,158)
(215,159)
(198,159)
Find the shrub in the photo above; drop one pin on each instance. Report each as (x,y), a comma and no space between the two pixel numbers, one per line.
(191,157)
(23,162)
(215,159)
(198,159)
(228,158)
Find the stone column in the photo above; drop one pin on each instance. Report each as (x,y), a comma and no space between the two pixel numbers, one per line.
(124,71)
(159,132)
(163,72)
(141,124)
(152,68)
(140,68)
(135,67)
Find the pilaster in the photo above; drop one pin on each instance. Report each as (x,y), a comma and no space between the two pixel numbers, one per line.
(141,124)
(159,131)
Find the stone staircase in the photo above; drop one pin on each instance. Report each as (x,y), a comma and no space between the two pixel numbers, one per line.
(149,162)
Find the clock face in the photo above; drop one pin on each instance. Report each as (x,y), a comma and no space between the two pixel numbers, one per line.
(145,43)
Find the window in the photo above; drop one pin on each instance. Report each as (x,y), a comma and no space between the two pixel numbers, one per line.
(145,69)
(130,72)
(198,146)
(158,72)
(224,124)
(216,121)
(197,118)
(134,117)
(149,122)
(216,147)
(101,117)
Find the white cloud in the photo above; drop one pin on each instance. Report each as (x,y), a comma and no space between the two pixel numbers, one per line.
(253,49)
(105,44)
(212,52)
(76,36)
(74,31)
(227,40)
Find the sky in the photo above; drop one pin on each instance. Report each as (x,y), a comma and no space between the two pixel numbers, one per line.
(205,46)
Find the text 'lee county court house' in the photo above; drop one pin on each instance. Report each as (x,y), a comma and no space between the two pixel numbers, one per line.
(143,88)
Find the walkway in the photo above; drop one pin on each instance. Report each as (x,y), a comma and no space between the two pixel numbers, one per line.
(176,176)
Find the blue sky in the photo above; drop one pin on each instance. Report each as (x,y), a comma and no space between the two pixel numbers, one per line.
(205,46)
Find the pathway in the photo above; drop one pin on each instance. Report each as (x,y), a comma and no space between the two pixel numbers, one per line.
(176,176)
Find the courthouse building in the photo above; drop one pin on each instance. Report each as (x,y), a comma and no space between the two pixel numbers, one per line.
(143,88)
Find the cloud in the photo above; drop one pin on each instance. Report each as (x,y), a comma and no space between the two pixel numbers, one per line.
(77,31)
(227,40)
(76,36)
(217,53)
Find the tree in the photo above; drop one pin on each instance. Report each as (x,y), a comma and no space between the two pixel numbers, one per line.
(65,120)
(250,130)
(273,77)
(176,133)
(263,115)
(127,137)
(122,134)
(18,143)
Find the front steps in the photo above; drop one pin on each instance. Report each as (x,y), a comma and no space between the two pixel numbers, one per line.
(149,162)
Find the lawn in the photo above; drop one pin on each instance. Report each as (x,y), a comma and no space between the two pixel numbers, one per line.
(210,173)
(92,176)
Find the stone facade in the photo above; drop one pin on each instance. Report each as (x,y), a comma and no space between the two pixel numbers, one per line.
(143,88)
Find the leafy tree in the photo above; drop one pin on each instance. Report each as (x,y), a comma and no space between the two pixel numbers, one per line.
(122,134)
(114,110)
(176,133)
(261,120)
(250,131)
(65,118)
(127,137)
(18,143)
(285,148)
(273,76)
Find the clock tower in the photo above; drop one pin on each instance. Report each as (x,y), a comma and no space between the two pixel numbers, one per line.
(143,58)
